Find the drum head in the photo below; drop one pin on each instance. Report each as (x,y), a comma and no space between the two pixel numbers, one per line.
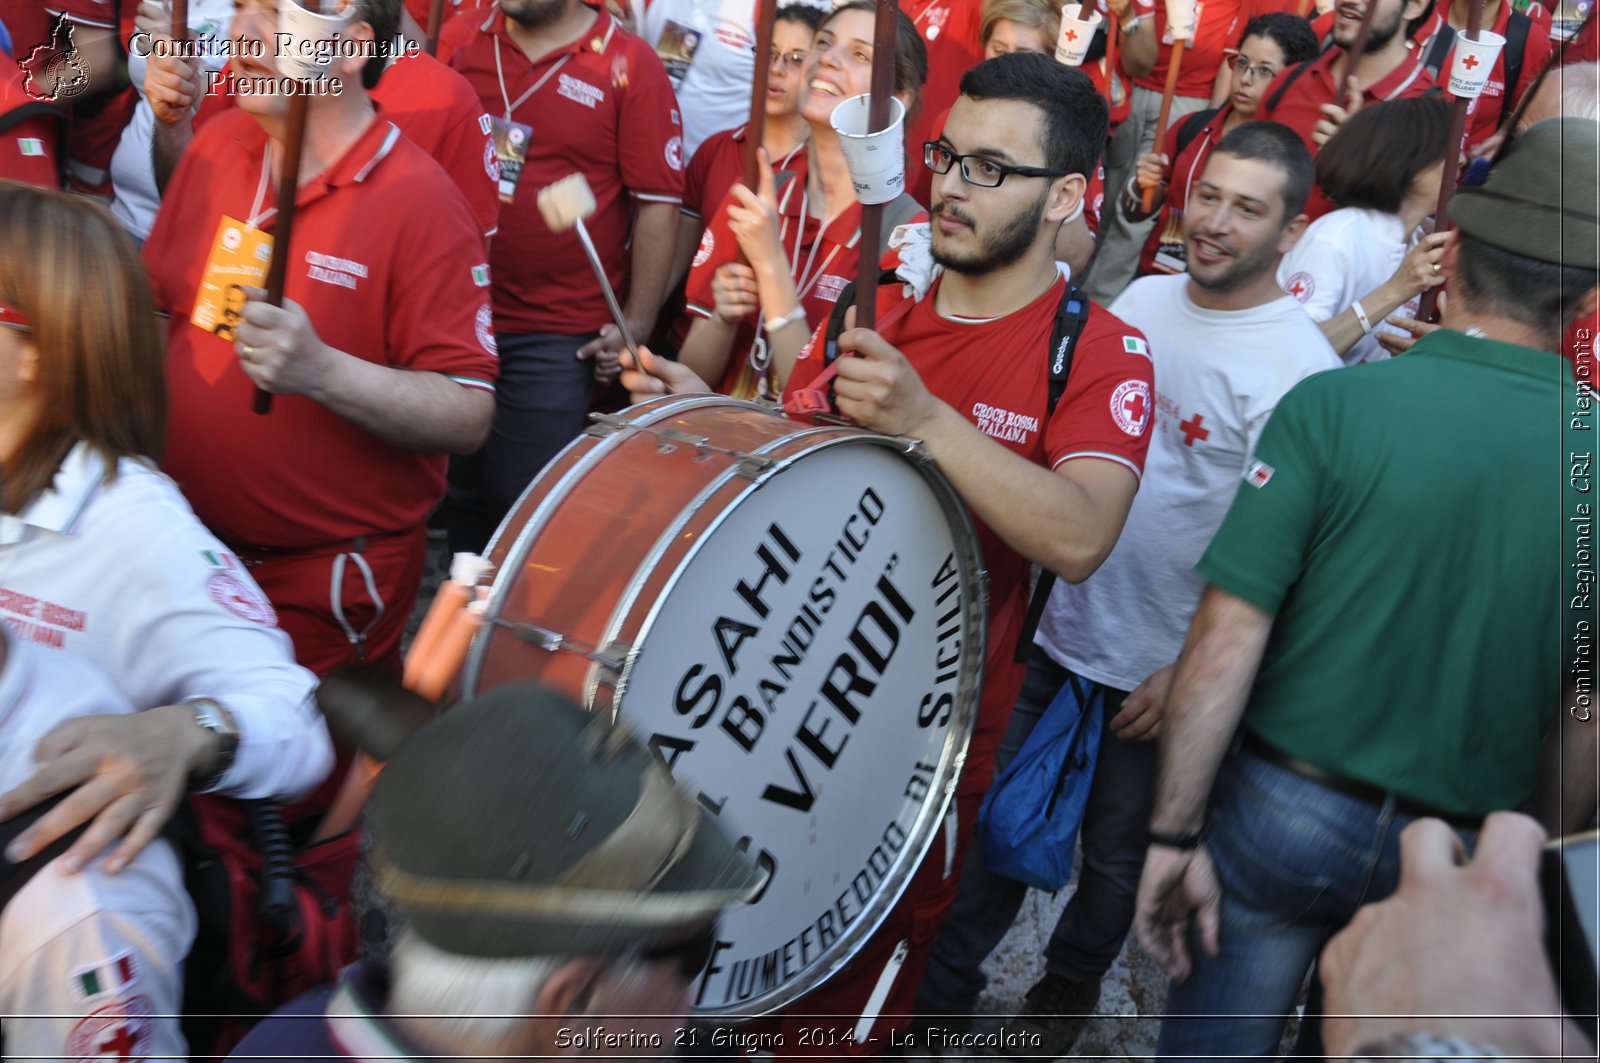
(800,639)
(812,674)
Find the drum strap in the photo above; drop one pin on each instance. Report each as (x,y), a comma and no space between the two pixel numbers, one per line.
(1071,316)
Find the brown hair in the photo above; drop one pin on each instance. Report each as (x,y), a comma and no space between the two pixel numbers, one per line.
(910,54)
(1041,15)
(77,276)
(1373,158)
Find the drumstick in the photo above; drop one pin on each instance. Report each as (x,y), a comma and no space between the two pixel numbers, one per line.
(1147,196)
(564,205)
(1452,159)
(1112,29)
(755,129)
(435,23)
(180,19)
(871,243)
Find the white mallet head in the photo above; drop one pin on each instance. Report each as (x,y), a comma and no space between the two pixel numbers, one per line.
(567,202)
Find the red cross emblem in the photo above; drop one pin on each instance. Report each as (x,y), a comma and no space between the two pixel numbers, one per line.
(1193,430)
(1296,288)
(121,1044)
(1135,408)
(1072,35)
(1470,62)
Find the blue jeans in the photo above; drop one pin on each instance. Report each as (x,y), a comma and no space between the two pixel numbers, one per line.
(541,403)
(1295,860)
(1090,932)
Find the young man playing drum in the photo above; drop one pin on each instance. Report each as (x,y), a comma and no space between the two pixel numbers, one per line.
(966,370)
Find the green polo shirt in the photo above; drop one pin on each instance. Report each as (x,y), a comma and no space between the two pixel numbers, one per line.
(1403,522)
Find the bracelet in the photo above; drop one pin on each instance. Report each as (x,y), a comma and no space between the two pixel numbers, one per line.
(1129,26)
(774,324)
(1361,316)
(1187,841)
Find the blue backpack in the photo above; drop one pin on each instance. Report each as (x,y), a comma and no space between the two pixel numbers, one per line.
(1030,817)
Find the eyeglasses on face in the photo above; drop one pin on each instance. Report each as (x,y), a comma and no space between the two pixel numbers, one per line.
(1263,72)
(791,60)
(977,170)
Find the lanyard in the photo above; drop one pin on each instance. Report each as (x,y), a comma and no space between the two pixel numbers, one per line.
(257,215)
(500,73)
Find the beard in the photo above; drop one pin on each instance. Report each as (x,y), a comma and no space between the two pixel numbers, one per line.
(997,249)
(533,13)
(1237,271)
(1382,32)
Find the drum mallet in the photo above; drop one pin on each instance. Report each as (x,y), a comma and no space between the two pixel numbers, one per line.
(564,205)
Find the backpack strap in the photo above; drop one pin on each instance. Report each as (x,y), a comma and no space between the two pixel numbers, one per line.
(1192,127)
(1517,28)
(1289,79)
(15,876)
(1072,314)
(1438,48)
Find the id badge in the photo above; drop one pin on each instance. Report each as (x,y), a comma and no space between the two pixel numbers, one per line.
(676,48)
(239,258)
(1171,256)
(511,151)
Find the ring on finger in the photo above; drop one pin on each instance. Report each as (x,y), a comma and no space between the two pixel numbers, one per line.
(1436,267)
(245,350)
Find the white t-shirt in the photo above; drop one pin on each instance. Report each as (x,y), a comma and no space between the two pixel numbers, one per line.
(125,576)
(1218,375)
(133,179)
(1343,256)
(95,960)
(714,89)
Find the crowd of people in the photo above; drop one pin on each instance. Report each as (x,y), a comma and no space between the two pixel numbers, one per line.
(1307,460)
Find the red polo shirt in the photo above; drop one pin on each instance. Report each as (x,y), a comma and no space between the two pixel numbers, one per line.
(605,109)
(995,374)
(822,261)
(718,164)
(1485,113)
(1215,23)
(382,259)
(28,149)
(437,111)
(1300,107)
(436,108)
(950,30)
(1163,250)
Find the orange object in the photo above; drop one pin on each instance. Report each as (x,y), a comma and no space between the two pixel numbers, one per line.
(1147,196)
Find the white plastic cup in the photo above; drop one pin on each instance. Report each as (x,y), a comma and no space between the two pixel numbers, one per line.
(1474,60)
(1076,35)
(1180,19)
(302,36)
(877,161)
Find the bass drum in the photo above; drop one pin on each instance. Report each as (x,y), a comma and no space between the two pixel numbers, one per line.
(792,616)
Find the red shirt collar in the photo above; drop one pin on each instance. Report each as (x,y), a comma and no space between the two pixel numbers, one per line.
(595,40)
(1385,88)
(359,160)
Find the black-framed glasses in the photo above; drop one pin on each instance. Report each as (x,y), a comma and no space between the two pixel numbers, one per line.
(977,170)
(1242,65)
(792,60)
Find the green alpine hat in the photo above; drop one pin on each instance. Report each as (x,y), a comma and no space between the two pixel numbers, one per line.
(1540,198)
(520,825)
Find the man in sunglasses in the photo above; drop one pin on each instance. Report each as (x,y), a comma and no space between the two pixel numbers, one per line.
(558,894)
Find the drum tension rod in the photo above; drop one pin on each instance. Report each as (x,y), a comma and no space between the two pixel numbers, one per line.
(555,641)
(671,439)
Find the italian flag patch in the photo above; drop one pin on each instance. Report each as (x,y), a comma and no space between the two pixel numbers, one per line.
(31,146)
(113,976)
(1134,345)
(480,275)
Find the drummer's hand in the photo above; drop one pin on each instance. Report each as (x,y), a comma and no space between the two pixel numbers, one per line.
(734,292)
(126,773)
(878,389)
(657,376)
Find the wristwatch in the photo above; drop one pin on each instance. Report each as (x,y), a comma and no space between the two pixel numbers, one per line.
(219,721)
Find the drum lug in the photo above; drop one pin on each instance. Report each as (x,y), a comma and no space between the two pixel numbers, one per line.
(916,450)
(753,466)
(605,424)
